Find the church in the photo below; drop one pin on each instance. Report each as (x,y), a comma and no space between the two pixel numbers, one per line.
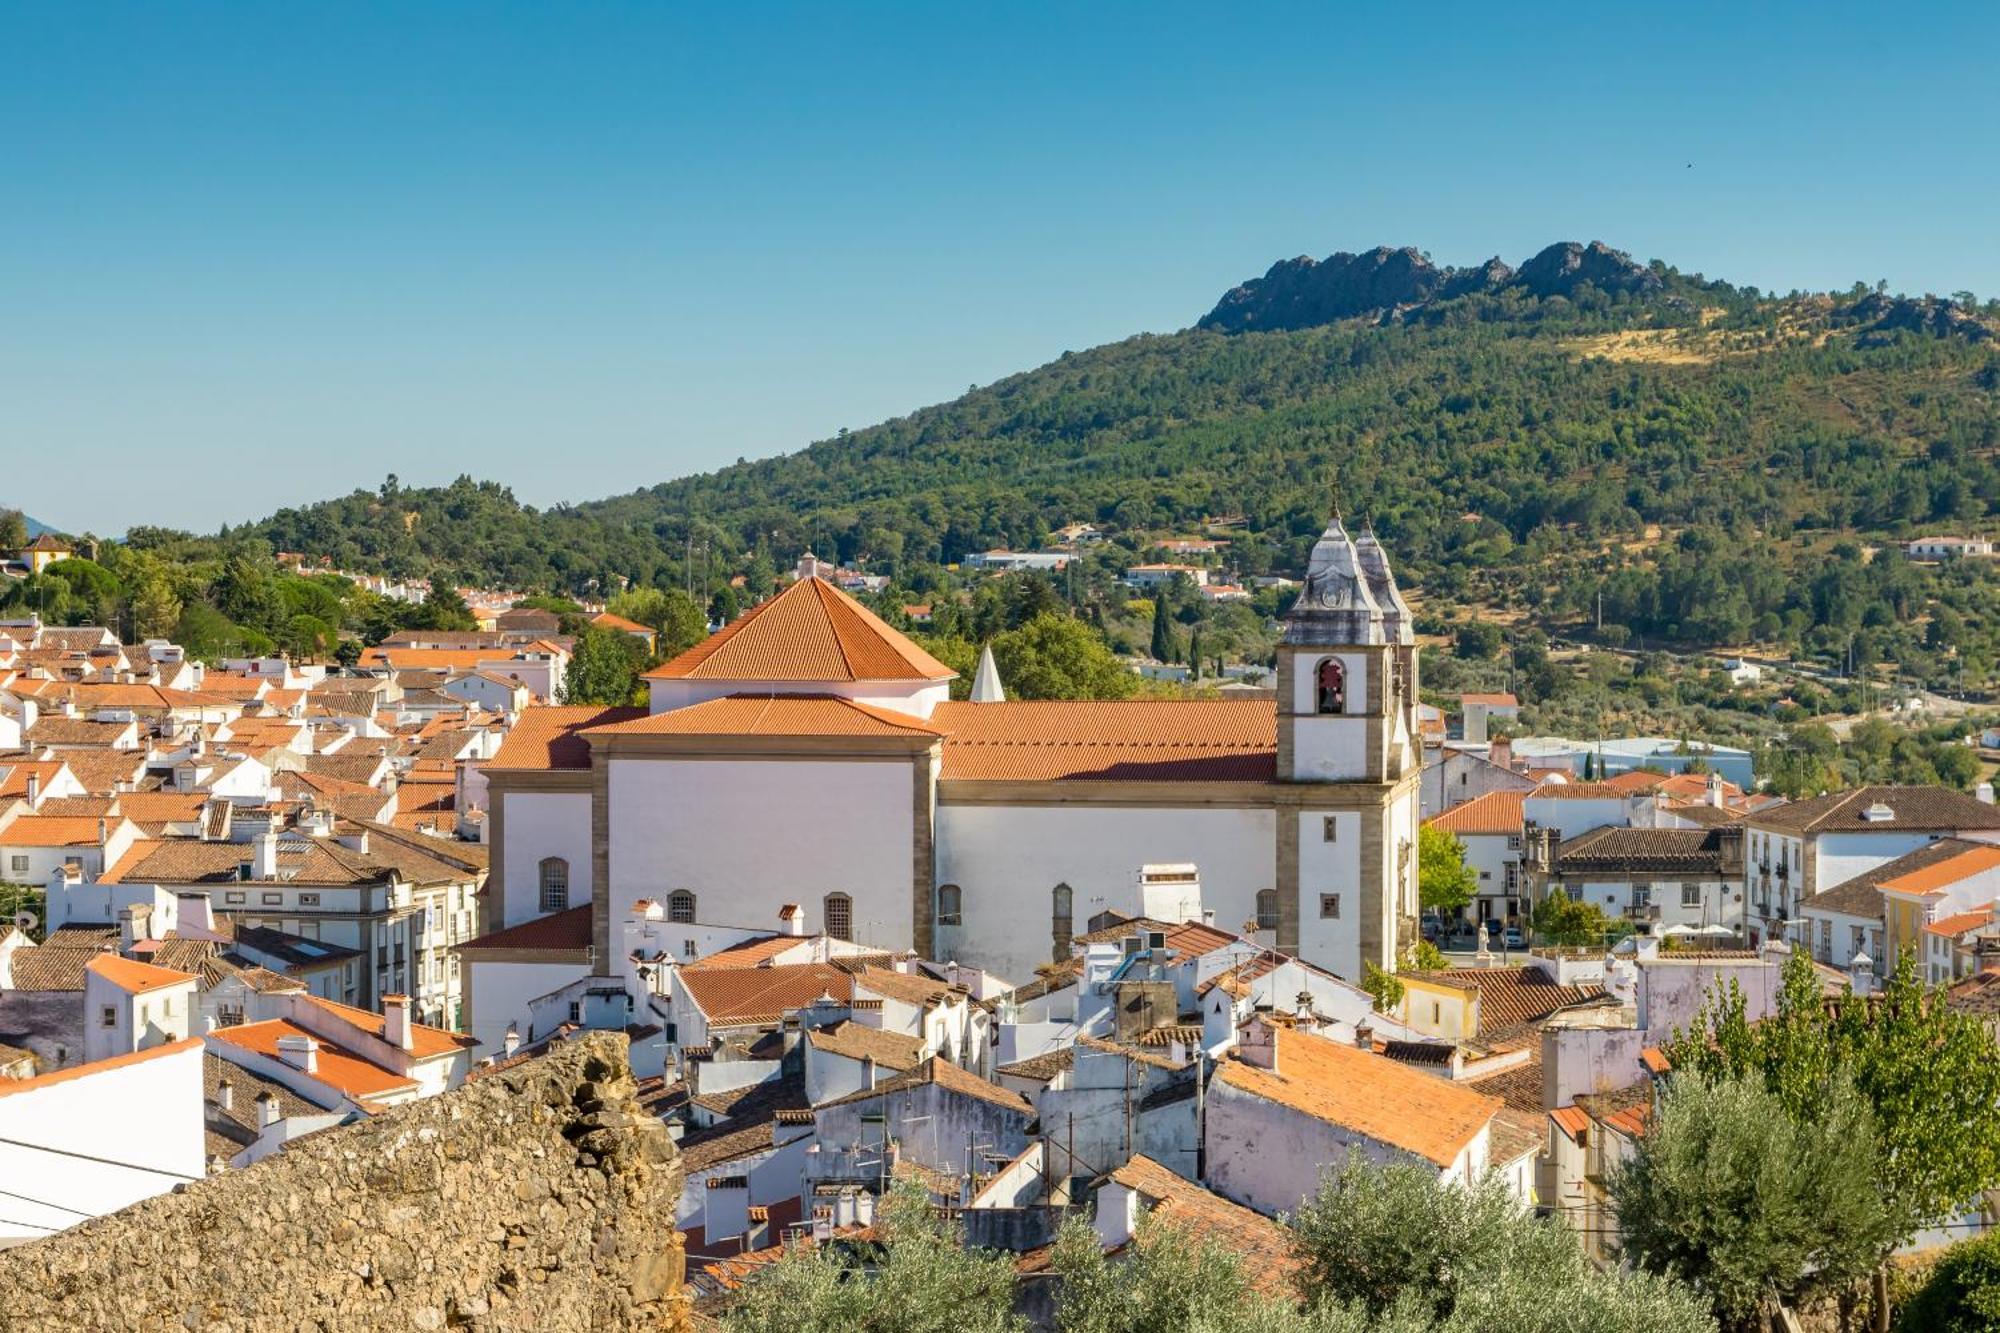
(808,756)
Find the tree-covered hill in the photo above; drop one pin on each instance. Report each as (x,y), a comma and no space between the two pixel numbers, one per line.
(1514,435)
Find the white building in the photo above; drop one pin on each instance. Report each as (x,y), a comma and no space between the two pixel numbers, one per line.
(809,754)
(1490,829)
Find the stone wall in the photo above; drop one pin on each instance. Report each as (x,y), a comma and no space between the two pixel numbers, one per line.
(540,1197)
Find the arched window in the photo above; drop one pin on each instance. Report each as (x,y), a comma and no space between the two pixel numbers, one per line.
(1061,921)
(1267,909)
(555,884)
(1332,679)
(680,906)
(838,910)
(949,903)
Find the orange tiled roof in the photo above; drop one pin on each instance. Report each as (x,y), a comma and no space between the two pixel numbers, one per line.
(135,978)
(424,1041)
(1953,926)
(1490,700)
(756,952)
(606,620)
(737,995)
(810,631)
(1201,1215)
(773,715)
(53,831)
(1511,996)
(1930,878)
(333,1065)
(1131,740)
(551,736)
(1495,812)
(1389,1102)
(568,930)
(1571,1120)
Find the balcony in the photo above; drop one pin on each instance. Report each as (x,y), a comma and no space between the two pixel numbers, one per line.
(1643,912)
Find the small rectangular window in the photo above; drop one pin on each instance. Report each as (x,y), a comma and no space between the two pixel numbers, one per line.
(232,895)
(110,1016)
(1329,829)
(20,864)
(271,899)
(1329,906)
(1690,895)
(309,900)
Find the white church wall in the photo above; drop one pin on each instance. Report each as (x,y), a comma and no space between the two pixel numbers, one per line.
(915,697)
(1007,860)
(539,825)
(1330,865)
(748,836)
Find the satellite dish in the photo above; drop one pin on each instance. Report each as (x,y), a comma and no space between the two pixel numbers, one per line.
(26,921)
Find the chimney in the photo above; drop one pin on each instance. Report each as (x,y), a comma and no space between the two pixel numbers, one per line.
(132,926)
(300,1052)
(267,1110)
(1715,789)
(264,855)
(791,920)
(225,1095)
(868,1072)
(1258,1044)
(34,790)
(512,1042)
(103,830)
(396,1021)
(1984,792)
(1364,1035)
(1501,752)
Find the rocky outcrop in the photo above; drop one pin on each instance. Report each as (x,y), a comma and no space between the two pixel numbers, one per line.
(540,1197)
(1302,293)
(1881,315)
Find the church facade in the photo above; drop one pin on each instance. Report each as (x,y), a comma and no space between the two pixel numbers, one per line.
(809,755)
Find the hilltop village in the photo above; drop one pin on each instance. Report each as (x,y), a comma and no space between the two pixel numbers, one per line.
(1033,960)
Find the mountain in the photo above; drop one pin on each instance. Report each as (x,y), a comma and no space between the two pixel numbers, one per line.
(1515,434)
(1302,293)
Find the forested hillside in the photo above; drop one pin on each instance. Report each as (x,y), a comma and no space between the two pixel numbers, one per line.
(1694,452)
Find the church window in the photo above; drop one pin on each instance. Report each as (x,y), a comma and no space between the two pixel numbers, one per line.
(839,910)
(1061,928)
(1329,828)
(1267,909)
(1329,906)
(680,906)
(1332,681)
(555,884)
(948,904)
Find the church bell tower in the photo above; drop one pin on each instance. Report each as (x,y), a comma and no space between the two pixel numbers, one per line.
(1349,761)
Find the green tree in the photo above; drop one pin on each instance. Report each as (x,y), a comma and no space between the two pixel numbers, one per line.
(1731,1195)
(676,617)
(155,609)
(1478,639)
(13,530)
(347,652)
(1415,1253)
(603,669)
(1444,880)
(921,1279)
(1961,1293)
(1570,922)
(1929,1075)
(1163,631)
(1384,985)
(1166,1280)
(1059,657)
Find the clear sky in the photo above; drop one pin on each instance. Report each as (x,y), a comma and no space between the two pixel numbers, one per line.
(255,255)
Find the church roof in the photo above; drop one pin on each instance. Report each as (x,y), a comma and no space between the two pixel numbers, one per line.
(773,715)
(1129,740)
(812,631)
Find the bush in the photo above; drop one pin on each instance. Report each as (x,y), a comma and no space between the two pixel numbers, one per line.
(1962,1293)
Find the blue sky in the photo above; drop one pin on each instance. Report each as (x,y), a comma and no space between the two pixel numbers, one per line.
(255,255)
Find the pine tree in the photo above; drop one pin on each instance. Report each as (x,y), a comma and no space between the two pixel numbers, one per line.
(1163,631)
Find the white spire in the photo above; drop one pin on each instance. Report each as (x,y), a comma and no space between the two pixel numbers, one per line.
(986,680)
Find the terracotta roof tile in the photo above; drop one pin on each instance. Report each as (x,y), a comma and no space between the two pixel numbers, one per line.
(1495,812)
(754,952)
(1417,1112)
(1952,927)
(52,831)
(1937,875)
(1511,996)
(135,978)
(562,931)
(1862,895)
(1264,1247)
(773,715)
(425,1041)
(1571,1120)
(729,996)
(1925,809)
(1643,849)
(1131,740)
(10,1086)
(942,1073)
(551,736)
(889,1050)
(810,631)
(334,1065)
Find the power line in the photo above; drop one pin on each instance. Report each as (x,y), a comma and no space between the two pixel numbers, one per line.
(44,1203)
(101,1161)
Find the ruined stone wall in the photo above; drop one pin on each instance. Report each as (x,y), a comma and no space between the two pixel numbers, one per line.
(540,1197)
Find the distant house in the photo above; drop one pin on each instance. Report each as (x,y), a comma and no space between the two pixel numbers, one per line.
(1152,576)
(44,551)
(1004,561)
(1490,826)
(643,633)
(1480,709)
(1946,548)
(528,620)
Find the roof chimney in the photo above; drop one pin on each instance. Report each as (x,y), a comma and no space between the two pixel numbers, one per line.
(868,1072)
(1364,1035)
(267,1110)
(264,855)
(301,1052)
(512,1041)
(396,1021)
(225,1095)
(1715,789)
(791,919)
